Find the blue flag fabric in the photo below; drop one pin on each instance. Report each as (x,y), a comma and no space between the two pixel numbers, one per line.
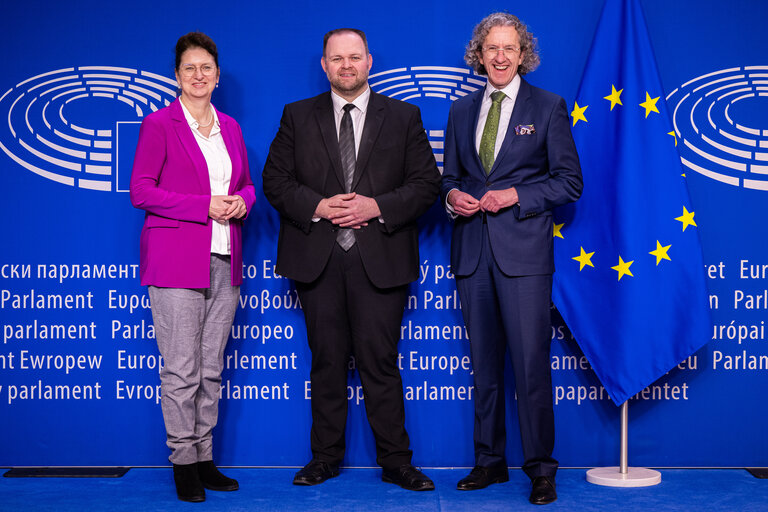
(630,278)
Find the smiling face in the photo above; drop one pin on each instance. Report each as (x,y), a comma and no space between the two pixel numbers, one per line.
(192,77)
(347,64)
(500,65)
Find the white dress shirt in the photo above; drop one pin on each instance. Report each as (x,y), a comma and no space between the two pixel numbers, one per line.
(219,172)
(358,120)
(357,114)
(507,105)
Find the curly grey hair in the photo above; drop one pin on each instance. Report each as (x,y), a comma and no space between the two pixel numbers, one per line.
(528,43)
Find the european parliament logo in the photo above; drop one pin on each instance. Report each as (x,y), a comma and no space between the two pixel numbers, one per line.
(430,88)
(79,126)
(720,125)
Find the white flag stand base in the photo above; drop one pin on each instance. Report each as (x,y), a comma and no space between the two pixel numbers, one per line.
(623,475)
(613,477)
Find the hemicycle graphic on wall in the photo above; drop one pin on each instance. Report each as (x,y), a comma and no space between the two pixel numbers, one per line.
(720,125)
(70,125)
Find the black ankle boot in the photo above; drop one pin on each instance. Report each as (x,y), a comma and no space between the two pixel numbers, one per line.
(212,478)
(188,485)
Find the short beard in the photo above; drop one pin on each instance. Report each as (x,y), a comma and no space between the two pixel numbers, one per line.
(356,87)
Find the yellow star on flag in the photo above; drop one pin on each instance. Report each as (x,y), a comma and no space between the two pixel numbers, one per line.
(672,133)
(650,104)
(623,268)
(578,113)
(556,230)
(614,97)
(687,218)
(661,253)
(584,259)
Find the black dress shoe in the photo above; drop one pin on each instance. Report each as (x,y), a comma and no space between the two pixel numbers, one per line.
(482,476)
(188,485)
(408,477)
(212,479)
(316,472)
(543,491)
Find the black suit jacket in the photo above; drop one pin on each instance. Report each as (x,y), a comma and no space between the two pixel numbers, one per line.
(395,166)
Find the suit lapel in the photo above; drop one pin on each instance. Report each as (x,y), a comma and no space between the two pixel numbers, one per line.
(520,115)
(327,125)
(188,142)
(474,112)
(233,149)
(374,119)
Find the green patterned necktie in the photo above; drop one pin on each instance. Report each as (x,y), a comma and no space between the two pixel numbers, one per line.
(488,140)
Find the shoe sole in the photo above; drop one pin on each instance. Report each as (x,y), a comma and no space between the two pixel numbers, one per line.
(425,488)
(191,499)
(543,502)
(225,488)
(307,483)
(498,480)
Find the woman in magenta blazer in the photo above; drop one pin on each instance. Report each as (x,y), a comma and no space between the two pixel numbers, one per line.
(190,175)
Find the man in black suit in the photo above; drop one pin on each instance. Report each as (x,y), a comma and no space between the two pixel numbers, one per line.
(350,172)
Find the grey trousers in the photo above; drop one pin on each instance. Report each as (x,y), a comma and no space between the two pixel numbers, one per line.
(192,326)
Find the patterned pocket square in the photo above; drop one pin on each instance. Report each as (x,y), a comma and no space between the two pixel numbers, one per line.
(525,129)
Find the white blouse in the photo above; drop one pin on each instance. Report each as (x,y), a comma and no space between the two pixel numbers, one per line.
(219,173)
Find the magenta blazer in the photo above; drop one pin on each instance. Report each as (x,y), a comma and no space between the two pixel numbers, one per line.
(170,183)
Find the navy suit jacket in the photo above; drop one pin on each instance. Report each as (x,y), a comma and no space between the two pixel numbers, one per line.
(543,166)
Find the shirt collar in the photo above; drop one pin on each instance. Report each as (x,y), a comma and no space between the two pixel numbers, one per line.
(360,102)
(510,90)
(195,125)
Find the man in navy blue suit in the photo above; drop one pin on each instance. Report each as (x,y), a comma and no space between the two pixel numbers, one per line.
(509,159)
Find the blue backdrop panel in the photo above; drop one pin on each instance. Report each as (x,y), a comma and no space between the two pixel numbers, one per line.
(78,360)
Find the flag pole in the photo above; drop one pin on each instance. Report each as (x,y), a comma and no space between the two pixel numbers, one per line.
(624,476)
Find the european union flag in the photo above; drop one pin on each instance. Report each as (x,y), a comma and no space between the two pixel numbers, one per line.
(630,277)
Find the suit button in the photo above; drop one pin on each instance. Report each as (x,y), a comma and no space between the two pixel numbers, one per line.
(488,184)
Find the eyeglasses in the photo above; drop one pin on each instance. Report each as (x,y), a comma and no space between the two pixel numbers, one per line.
(508,51)
(189,70)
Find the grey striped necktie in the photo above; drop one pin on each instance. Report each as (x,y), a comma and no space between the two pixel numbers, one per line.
(346,236)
